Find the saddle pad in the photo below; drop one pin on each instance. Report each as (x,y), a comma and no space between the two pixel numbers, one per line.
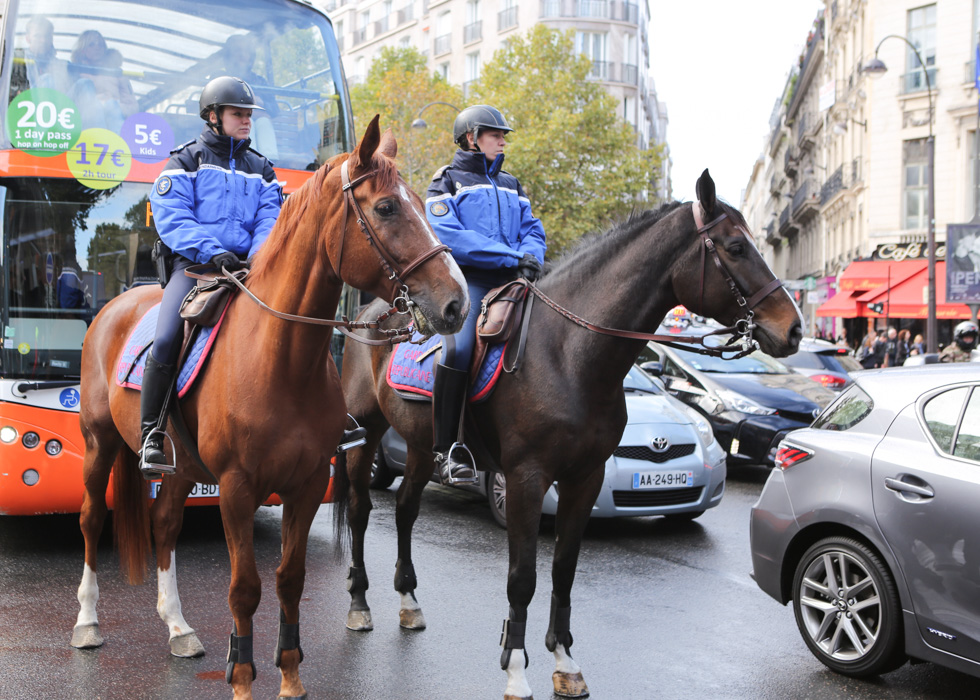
(132,361)
(411,368)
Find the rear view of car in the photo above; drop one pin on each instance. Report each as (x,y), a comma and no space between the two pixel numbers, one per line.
(869,523)
(824,362)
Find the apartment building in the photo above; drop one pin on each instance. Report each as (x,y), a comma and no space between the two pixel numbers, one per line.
(459,36)
(840,190)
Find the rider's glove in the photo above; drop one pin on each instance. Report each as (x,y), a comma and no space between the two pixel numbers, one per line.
(227,260)
(529,268)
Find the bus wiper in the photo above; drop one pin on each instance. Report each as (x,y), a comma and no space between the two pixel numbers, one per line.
(24,387)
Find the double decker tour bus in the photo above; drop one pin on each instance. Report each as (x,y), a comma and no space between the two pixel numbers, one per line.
(98,92)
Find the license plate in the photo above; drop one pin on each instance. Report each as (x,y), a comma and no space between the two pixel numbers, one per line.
(662,480)
(199,490)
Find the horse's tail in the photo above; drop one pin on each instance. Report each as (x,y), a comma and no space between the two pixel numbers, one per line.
(131,519)
(341,504)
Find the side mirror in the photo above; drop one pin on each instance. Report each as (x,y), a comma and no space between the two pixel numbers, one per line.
(653,368)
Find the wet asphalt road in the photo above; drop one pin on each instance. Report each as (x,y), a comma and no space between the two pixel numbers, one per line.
(659,610)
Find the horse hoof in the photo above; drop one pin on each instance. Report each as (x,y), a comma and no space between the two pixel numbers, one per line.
(86,637)
(359,620)
(186,646)
(570,685)
(514,697)
(411,619)
(292,697)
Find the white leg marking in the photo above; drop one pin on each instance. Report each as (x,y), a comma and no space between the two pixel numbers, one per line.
(168,602)
(563,662)
(409,602)
(88,596)
(517,684)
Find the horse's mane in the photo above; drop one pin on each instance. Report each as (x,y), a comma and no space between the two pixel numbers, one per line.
(295,207)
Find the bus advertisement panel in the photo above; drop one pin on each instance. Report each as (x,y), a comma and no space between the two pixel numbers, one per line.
(98,92)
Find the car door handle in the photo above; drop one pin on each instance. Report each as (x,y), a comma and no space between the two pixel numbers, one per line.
(903,486)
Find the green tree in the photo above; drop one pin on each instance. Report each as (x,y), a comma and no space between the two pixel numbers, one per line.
(397,86)
(576,159)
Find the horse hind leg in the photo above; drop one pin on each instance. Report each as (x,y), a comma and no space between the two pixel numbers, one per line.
(167,519)
(418,469)
(358,475)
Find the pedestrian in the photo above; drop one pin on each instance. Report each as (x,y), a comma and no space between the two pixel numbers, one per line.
(964,341)
(904,346)
(215,202)
(918,346)
(894,354)
(482,213)
(866,351)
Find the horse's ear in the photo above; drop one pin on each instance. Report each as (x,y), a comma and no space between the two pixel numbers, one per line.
(389,146)
(705,189)
(369,142)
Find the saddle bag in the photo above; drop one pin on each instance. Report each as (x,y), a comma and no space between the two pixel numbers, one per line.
(500,311)
(205,303)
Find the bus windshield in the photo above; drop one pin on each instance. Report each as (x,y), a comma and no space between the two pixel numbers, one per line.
(98,94)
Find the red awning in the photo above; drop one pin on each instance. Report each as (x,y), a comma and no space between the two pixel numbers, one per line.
(865,275)
(841,305)
(907,299)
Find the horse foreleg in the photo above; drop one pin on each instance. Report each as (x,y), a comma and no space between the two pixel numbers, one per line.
(237,514)
(574,509)
(167,514)
(524,497)
(359,510)
(297,517)
(99,456)
(418,469)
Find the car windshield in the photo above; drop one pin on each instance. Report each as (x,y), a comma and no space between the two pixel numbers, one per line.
(756,363)
(638,380)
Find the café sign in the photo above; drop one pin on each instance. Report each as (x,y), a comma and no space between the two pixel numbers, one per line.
(907,251)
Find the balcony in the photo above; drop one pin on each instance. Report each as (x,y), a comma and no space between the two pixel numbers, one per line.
(381,26)
(358,37)
(626,12)
(790,162)
(552,8)
(406,14)
(507,19)
(833,185)
(916,81)
(598,9)
(857,175)
(472,32)
(441,45)
(806,201)
(787,227)
(630,74)
(600,70)
(806,128)
(772,235)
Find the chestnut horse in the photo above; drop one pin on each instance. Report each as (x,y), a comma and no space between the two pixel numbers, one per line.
(561,415)
(268,413)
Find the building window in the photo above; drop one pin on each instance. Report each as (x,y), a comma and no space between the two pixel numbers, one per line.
(442,70)
(442,42)
(472,72)
(593,45)
(507,17)
(922,35)
(473,30)
(915,199)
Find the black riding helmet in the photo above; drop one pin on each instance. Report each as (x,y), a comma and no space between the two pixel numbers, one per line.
(475,118)
(226,91)
(962,332)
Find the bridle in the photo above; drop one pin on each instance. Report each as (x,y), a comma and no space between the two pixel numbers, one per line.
(741,331)
(402,304)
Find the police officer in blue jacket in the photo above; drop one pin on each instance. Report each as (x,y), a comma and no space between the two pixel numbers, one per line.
(482,213)
(215,202)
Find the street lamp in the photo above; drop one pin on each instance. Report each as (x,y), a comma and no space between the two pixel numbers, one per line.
(876,67)
(419,122)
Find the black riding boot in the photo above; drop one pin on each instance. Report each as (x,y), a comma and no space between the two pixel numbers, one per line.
(453,459)
(158,379)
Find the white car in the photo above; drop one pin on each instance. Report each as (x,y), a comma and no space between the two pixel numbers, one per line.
(667,463)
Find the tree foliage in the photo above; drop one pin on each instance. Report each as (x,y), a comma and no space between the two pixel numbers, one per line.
(576,159)
(397,86)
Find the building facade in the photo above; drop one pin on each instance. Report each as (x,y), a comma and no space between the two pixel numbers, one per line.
(459,36)
(846,160)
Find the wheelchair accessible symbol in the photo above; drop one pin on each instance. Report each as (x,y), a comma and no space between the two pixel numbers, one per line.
(69,398)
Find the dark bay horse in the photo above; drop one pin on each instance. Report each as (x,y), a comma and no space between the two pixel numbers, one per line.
(268,413)
(561,415)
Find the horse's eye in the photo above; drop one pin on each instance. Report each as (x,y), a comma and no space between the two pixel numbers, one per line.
(385,209)
(736,250)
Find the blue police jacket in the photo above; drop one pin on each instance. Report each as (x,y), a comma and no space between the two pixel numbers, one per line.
(215,195)
(482,213)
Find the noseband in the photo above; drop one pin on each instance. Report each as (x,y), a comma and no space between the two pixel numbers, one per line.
(403,302)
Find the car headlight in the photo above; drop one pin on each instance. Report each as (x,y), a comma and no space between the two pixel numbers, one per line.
(736,402)
(703,426)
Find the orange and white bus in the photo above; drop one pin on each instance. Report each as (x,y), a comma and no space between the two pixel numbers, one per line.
(98,92)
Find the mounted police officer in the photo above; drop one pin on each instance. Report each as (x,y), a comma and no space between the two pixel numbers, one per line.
(964,340)
(482,213)
(215,202)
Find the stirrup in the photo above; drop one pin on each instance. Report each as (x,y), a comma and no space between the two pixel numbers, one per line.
(352,438)
(155,471)
(448,469)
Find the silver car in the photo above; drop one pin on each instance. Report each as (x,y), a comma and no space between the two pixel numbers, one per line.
(870,525)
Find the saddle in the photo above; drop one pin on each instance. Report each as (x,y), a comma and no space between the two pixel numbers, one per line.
(206,302)
(503,311)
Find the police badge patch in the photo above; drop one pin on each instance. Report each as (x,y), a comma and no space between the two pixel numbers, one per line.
(163,185)
(438,209)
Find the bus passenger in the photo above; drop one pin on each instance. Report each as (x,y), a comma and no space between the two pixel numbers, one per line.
(482,213)
(215,202)
(104,97)
(38,64)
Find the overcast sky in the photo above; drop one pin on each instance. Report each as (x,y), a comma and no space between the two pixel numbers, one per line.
(719,65)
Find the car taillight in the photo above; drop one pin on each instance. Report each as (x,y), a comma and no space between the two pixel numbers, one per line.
(788,456)
(829,380)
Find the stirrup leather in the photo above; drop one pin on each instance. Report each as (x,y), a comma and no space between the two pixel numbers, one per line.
(448,467)
(153,470)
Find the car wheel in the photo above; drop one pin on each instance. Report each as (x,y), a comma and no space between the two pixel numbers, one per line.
(497,497)
(683,517)
(847,608)
(381,476)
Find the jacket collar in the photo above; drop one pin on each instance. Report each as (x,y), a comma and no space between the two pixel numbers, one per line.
(476,162)
(223,145)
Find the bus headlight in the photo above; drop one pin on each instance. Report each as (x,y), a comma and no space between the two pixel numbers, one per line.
(31,440)
(7,434)
(52,447)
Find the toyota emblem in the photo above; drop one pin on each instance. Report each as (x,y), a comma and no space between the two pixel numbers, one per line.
(659,444)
